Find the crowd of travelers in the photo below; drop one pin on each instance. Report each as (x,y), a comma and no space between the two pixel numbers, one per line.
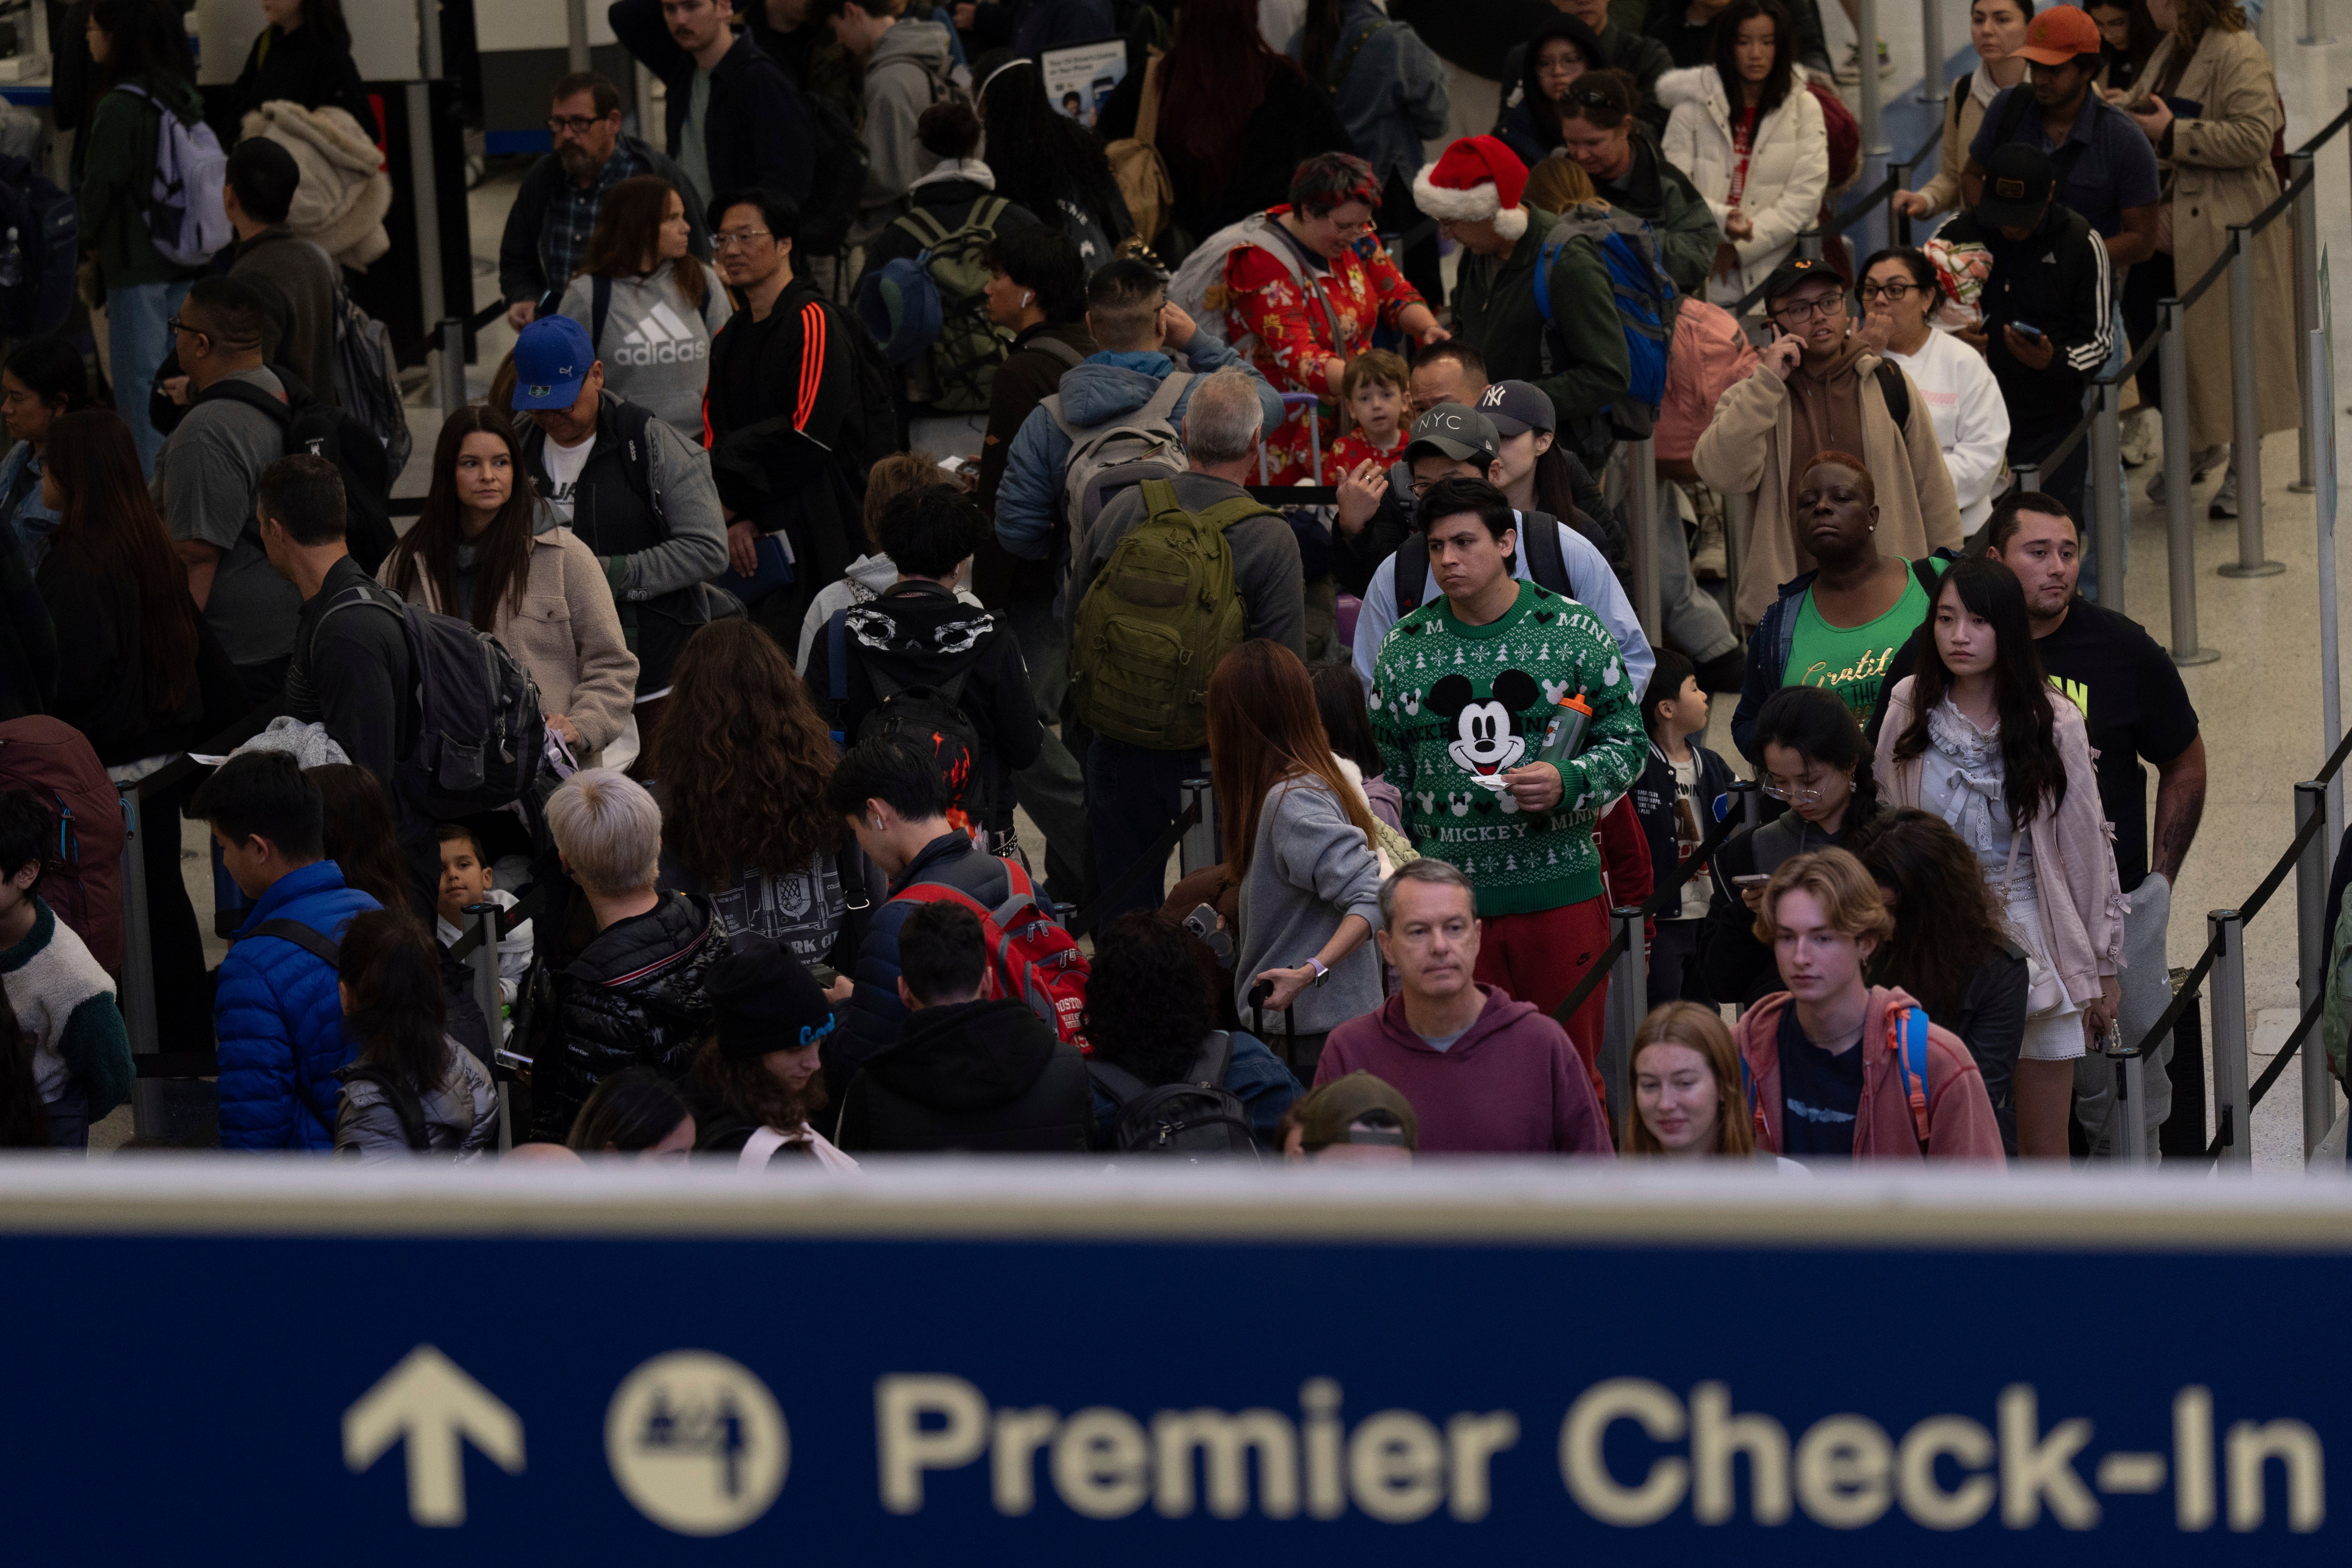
(661,788)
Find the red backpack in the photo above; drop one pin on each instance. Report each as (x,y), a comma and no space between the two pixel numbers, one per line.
(1034,960)
(81,875)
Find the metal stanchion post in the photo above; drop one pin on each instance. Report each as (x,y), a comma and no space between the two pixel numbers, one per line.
(486,996)
(2310,955)
(2228,929)
(1809,244)
(1737,512)
(2246,448)
(2109,505)
(575,27)
(1932,88)
(1629,981)
(2183,1136)
(136,995)
(1897,177)
(425,195)
(1873,113)
(2314,23)
(2179,535)
(1749,802)
(2303,229)
(1642,529)
(2024,477)
(2319,418)
(1198,847)
(450,368)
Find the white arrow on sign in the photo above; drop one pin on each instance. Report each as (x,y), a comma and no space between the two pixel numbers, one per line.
(431,1401)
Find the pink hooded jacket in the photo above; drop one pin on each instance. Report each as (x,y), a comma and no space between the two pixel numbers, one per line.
(1511,1085)
(1960,1124)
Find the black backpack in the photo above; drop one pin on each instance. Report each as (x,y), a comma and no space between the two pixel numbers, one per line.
(479,734)
(325,431)
(928,718)
(1196,1117)
(40,243)
(836,178)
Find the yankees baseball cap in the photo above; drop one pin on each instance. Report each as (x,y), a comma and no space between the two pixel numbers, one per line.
(551,358)
(1515,407)
(1455,430)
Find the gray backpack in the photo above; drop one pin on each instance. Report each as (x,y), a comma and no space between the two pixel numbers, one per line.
(1116,456)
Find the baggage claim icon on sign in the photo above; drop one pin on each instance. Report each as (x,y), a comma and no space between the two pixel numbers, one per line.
(697,1443)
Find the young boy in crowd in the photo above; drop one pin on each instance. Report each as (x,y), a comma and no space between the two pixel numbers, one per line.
(1375,387)
(59,999)
(1675,798)
(466,879)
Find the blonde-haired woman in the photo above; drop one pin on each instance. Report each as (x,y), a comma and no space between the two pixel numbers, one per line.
(2217,172)
(1687,1099)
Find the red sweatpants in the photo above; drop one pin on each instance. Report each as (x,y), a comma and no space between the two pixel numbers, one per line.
(1541,957)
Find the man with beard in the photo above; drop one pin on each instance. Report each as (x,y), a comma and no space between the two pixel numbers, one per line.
(546,237)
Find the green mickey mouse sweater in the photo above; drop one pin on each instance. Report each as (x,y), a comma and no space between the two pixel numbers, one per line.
(1450,701)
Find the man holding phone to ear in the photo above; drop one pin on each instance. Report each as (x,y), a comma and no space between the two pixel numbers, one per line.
(2048,311)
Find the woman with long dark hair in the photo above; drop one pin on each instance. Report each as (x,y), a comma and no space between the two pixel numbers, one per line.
(1235,118)
(303,54)
(1562,49)
(632,1112)
(1051,166)
(43,379)
(1974,736)
(1298,839)
(143,679)
(410,1089)
(745,761)
(143,69)
(1950,949)
(486,550)
(1752,140)
(662,307)
(360,836)
(1814,761)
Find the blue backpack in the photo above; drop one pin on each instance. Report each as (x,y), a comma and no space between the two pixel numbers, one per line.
(1645,306)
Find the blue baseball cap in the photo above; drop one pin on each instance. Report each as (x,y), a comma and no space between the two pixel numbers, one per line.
(551,358)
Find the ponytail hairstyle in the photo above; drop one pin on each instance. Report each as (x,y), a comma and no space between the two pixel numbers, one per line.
(1604,99)
(1816,724)
(2033,779)
(396,1011)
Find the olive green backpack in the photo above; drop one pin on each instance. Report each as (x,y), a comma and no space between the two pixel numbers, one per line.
(1156,620)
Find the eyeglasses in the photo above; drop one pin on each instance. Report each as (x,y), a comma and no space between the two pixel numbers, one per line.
(726,240)
(1799,311)
(1794,795)
(178,325)
(576,124)
(1899,293)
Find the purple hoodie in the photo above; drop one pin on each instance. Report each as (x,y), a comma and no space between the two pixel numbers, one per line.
(1512,1085)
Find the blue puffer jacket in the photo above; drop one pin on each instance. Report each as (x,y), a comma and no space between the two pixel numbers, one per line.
(870,1023)
(279,1021)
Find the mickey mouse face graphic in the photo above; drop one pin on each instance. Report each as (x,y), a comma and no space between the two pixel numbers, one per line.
(1488,737)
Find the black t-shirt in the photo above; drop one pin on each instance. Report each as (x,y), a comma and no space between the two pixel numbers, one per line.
(2127,687)
(1820,1094)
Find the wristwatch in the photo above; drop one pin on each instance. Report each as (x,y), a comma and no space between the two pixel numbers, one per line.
(1322,970)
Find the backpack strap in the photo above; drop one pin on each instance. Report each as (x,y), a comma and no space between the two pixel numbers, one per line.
(633,435)
(1225,513)
(836,663)
(1547,564)
(985,213)
(1898,393)
(600,307)
(309,939)
(760,1148)
(1336,76)
(374,594)
(235,389)
(1162,403)
(1146,114)
(403,1101)
(1216,1057)
(1123,1087)
(1907,1037)
(1055,348)
(1411,567)
(926,230)
(1930,580)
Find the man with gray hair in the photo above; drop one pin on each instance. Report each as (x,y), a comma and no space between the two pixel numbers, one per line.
(1484,1074)
(634,996)
(1134,773)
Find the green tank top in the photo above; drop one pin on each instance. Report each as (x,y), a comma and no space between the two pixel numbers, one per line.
(1852,660)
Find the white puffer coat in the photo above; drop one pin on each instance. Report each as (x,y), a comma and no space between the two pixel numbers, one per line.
(345,190)
(1788,167)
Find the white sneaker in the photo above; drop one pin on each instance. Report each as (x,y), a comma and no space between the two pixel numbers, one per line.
(2225,500)
(2140,429)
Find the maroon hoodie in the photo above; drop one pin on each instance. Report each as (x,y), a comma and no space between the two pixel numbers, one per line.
(1512,1085)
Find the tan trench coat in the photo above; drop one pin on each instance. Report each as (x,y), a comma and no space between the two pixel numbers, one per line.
(2220,174)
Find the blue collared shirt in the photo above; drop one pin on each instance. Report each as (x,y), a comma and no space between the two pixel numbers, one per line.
(2115,170)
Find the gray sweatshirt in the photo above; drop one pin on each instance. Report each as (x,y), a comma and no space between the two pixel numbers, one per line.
(657,347)
(902,79)
(1266,567)
(1309,870)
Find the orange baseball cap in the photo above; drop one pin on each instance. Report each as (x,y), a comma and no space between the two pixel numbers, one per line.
(2056,35)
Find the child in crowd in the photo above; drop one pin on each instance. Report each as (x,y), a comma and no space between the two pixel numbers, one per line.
(1675,798)
(465,878)
(1374,386)
(65,1022)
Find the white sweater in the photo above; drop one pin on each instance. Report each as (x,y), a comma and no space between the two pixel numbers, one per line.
(1972,421)
(1788,167)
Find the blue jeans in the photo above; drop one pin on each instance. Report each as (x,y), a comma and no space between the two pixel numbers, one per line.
(138,341)
(1132,797)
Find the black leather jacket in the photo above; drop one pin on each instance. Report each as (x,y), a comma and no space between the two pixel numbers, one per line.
(633,997)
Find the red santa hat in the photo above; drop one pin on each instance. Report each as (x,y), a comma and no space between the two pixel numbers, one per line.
(1477,179)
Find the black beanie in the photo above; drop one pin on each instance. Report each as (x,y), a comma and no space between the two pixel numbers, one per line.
(763,1000)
